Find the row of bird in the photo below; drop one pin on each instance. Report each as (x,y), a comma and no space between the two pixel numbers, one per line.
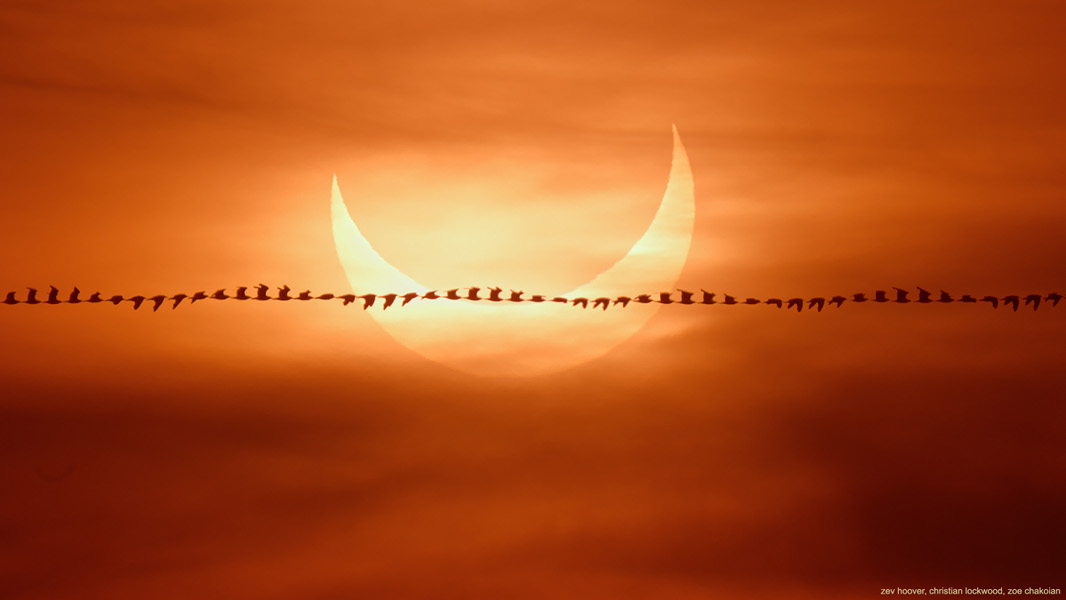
(495,294)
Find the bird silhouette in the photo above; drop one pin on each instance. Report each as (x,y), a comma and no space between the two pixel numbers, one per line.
(324,297)
(53,295)
(177,298)
(409,296)
(880,296)
(453,294)
(1033,299)
(751,301)
(901,296)
(860,297)
(494,294)
(774,302)
(560,300)
(220,294)
(305,295)
(1012,300)
(923,296)
(73,299)
(537,298)
(157,301)
(368,300)
(1053,298)
(601,302)
(838,300)
(796,303)
(819,302)
(430,295)
(10,299)
(945,297)
(516,296)
(471,294)
(994,301)
(729,300)
(967,298)
(115,299)
(31,297)
(389,300)
(584,302)
(664,298)
(643,298)
(95,298)
(686,297)
(623,300)
(261,292)
(283,293)
(242,294)
(348,299)
(197,296)
(136,300)
(708,297)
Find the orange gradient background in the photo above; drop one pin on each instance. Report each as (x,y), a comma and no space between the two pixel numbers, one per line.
(293,450)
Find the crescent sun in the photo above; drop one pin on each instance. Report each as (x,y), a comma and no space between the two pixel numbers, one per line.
(488,338)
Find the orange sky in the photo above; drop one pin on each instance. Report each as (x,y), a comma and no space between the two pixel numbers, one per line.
(282,450)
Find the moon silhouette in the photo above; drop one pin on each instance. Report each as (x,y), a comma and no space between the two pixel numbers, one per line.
(523,339)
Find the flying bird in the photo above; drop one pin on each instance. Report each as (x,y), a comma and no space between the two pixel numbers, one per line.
(115,299)
(471,294)
(177,298)
(453,294)
(305,295)
(431,295)
(74,296)
(708,297)
(774,302)
(1053,298)
(994,301)
(819,302)
(409,296)
(494,294)
(584,302)
(643,298)
(53,295)
(95,298)
(198,296)
(136,300)
(1033,299)
(923,296)
(10,298)
(623,300)
(686,297)
(348,299)
(516,296)
(838,300)
(560,300)
(389,300)
(880,296)
(601,302)
(220,294)
(537,298)
(860,297)
(31,297)
(796,303)
(261,292)
(751,301)
(967,298)
(901,296)
(157,301)
(729,300)
(283,293)
(1012,300)
(242,293)
(945,297)
(664,298)
(324,297)
(368,300)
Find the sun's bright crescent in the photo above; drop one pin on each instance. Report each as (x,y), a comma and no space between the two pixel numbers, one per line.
(527,338)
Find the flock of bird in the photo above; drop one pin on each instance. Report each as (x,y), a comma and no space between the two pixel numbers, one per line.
(495,294)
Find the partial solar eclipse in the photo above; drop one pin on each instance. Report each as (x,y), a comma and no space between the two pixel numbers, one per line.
(488,338)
